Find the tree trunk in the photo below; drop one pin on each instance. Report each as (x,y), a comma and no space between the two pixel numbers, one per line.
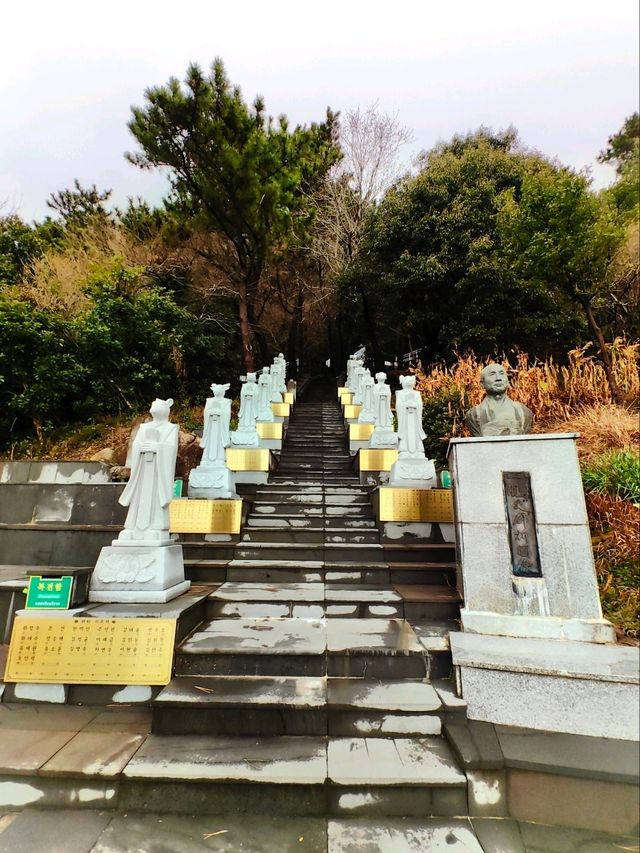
(245,329)
(371,331)
(616,396)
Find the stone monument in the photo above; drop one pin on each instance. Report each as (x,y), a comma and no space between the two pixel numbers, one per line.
(144,564)
(412,470)
(358,379)
(247,435)
(212,478)
(367,413)
(279,371)
(266,385)
(383,434)
(498,414)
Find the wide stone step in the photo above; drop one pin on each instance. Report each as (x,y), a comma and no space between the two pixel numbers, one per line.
(316,536)
(308,551)
(276,706)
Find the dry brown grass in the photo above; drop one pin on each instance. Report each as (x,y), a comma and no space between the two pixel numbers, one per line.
(602,427)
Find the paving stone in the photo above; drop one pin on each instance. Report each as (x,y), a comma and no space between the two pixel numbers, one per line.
(396,761)
(153,833)
(129,720)
(269,592)
(293,760)
(22,752)
(379,635)
(446,690)
(50,831)
(93,754)
(388,835)
(15,715)
(554,839)
(433,636)
(304,692)
(498,835)
(383,695)
(255,636)
(347,592)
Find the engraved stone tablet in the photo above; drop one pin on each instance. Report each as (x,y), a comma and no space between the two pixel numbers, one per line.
(523,539)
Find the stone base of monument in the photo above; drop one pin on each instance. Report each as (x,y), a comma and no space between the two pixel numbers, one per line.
(448,531)
(245,438)
(383,438)
(412,473)
(271,443)
(211,483)
(538,627)
(550,685)
(138,573)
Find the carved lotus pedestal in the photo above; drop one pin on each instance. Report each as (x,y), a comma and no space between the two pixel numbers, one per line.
(383,437)
(138,574)
(413,472)
(212,483)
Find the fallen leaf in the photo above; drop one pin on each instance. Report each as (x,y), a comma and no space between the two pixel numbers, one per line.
(212,834)
(205,690)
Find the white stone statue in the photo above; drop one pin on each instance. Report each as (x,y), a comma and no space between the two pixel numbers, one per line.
(383,434)
(281,363)
(150,487)
(247,435)
(352,381)
(212,478)
(265,394)
(413,469)
(350,367)
(367,414)
(277,381)
(358,374)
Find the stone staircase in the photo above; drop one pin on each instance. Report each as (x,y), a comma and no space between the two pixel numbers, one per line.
(315,685)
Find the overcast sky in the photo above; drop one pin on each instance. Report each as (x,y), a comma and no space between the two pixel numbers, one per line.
(564,72)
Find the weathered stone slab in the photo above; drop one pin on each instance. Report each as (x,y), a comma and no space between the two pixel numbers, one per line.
(269,592)
(393,636)
(383,695)
(93,753)
(285,760)
(43,718)
(24,751)
(389,835)
(302,692)
(256,636)
(76,830)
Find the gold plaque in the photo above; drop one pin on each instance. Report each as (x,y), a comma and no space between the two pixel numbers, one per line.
(288,397)
(360,432)
(247,459)
(91,651)
(377,459)
(351,412)
(416,504)
(342,389)
(204,516)
(269,430)
(281,410)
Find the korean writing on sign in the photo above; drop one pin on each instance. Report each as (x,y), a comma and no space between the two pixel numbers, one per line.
(523,539)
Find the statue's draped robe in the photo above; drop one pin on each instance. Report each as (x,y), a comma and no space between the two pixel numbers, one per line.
(382,405)
(150,487)
(409,412)
(499,417)
(215,434)
(248,413)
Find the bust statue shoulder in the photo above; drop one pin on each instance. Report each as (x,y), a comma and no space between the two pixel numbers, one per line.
(498,414)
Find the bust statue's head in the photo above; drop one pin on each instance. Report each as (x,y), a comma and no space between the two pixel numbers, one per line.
(494,379)
(160,409)
(381,378)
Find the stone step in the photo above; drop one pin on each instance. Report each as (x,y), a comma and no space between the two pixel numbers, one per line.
(349,648)
(310,509)
(425,552)
(295,775)
(290,706)
(334,551)
(310,535)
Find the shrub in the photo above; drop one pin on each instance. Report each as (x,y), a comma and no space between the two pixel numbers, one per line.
(615,473)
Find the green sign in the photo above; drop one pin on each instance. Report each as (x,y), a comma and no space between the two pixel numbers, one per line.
(177,488)
(49,593)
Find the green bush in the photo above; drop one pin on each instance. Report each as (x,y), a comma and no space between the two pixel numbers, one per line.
(615,473)
(441,418)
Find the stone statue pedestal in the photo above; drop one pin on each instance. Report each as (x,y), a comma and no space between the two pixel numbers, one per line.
(138,572)
(413,472)
(383,437)
(245,437)
(211,482)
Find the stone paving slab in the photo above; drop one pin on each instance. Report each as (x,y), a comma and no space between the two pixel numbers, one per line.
(393,761)
(129,720)
(259,636)
(62,718)
(269,592)
(279,760)
(23,752)
(302,691)
(380,635)
(408,835)
(383,695)
(52,831)
(434,636)
(103,754)
(350,592)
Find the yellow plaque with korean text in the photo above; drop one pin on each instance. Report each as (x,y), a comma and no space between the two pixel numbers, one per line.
(351,411)
(342,389)
(61,650)
(377,459)
(281,410)
(204,516)
(416,504)
(287,397)
(360,432)
(269,430)
(247,459)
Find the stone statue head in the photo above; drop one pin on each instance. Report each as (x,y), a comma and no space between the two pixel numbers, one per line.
(219,390)
(408,383)
(251,377)
(381,378)
(494,379)
(265,371)
(160,409)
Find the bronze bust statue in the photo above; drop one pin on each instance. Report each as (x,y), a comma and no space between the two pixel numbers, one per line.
(498,414)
